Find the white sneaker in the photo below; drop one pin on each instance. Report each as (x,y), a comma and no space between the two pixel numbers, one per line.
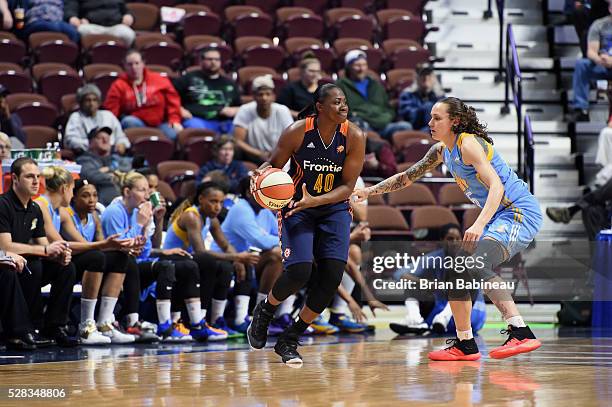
(89,334)
(440,322)
(413,314)
(416,323)
(116,336)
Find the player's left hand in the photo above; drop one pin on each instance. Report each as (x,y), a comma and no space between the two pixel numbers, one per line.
(307,201)
(360,195)
(471,237)
(374,304)
(178,251)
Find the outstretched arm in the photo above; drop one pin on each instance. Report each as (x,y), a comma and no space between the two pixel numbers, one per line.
(431,160)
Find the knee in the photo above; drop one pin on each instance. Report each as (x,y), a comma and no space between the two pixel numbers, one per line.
(166,274)
(272,255)
(131,121)
(97,261)
(582,64)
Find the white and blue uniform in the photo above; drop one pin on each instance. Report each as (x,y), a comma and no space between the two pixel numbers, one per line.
(518,217)
(45,204)
(88,231)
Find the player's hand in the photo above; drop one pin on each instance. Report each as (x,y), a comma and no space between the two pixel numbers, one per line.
(248,258)
(160,211)
(471,237)
(360,195)
(56,248)
(145,211)
(256,173)
(358,315)
(307,201)
(361,233)
(240,271)
(113,242)
(375,304)
(176,251)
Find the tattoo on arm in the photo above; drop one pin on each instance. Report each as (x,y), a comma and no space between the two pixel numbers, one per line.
(399,181)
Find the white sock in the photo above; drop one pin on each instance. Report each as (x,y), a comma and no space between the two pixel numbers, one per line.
(242,308)
(340,306)
(516,321)
(217,309)
(261,297)
(413,312)
(163,310)
(107,306)
(176,316)
(464,335)
(88,308)
(131,318)
(194,311)
(447,312)
(286,306)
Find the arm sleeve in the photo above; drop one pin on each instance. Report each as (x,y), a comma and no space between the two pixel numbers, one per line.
(73,134)
(113,99)
(113,222)
(595,32)
(287,119)
(5,222)
(242,117)
(248,228)
(174,103)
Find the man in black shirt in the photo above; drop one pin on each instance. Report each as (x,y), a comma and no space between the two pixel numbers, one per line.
(209,99)
(22,231)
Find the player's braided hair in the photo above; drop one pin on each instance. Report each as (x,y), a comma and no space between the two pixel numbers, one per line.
(468,121)
(203,188)
(318,97)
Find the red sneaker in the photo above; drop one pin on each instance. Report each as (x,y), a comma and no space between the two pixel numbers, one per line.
(459,350)
(520,340)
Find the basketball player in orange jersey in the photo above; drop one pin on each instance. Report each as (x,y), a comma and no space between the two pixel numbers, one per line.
(327,154)
(509,220)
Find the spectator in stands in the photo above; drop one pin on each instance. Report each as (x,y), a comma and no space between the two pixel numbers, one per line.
(98,164)
(142,98)
(440,319)
(5,147)
(379,159)
(89,117)
(101,17)
(48,263)
(582,13)
(10,123)
(46,15)
(210,99)
(415,105)
(595,207)
(247,225)
(299,94)
(259,124)
(224,160)
(367,98)
(7,17)
(597,65)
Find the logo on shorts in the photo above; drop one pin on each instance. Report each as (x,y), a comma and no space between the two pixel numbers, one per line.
(34,223)
(501,229)
(339,149)
(287,252)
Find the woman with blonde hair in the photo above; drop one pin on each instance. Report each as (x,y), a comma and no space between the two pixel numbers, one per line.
(5,146)
(90,261)
(133,217)
(299,94)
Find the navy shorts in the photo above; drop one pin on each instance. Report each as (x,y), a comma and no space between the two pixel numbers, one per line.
(315,233)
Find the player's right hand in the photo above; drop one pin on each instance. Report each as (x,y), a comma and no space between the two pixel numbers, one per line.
(360,195)
(256,173)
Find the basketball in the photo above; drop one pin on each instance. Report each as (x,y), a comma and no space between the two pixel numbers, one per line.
(274,189)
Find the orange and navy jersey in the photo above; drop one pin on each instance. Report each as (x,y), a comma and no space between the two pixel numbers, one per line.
(316,164)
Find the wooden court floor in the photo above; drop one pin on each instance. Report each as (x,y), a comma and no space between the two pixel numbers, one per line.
(380,370)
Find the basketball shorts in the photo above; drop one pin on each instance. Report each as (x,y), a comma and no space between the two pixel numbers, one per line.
(514,230)
(315,233)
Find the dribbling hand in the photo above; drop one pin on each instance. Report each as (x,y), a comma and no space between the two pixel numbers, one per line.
(360,195)
(307,201)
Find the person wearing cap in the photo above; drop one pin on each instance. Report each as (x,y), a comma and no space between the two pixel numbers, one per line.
(415,104)
(367,98)
(10,123)
(98,164)
(144,98)
(210,99)
(259,124)
(88,117)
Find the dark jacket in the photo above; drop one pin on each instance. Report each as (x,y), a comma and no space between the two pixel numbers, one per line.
(375,109)
(235,171)
(416,108)
(101,12)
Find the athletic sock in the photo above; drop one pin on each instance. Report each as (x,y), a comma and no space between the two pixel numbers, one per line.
(107,306)
(176,316)
(465,335)
(242,308)
(217,310)
(298,326)
(163,310)
(194,311)
(516,321)
(88,308)
(132,318)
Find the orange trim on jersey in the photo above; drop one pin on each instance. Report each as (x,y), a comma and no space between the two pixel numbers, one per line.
(344,128)
(309,123)
(279,219)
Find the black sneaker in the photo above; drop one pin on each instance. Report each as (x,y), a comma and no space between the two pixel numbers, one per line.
(286,348)
(579,115)
(459,350)
(257,332)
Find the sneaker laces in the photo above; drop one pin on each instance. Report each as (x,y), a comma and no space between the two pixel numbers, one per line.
(453,342)
(511,335)
(291,341)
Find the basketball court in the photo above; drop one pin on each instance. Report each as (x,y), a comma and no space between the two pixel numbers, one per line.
(572,367)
